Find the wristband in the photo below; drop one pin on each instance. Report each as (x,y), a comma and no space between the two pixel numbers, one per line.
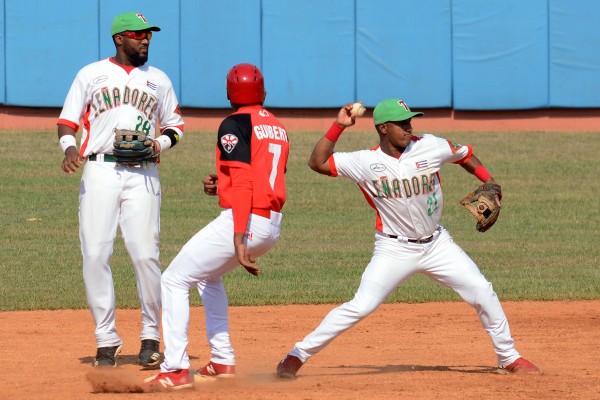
(481,173)
(67,141)
(334,132)
(164,143)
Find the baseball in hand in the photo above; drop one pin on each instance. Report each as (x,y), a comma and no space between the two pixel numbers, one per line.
(358,109)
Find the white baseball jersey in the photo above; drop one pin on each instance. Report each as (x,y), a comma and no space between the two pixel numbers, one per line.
(115,96)
(405,192)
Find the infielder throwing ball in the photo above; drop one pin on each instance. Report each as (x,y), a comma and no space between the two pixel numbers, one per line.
(117,102)
(251,158)
(400,180)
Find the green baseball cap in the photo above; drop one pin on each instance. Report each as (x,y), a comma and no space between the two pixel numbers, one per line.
(392,110)
(131,21)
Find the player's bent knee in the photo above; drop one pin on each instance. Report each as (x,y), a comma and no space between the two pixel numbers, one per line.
(171,279)
(361,307)
(479,293)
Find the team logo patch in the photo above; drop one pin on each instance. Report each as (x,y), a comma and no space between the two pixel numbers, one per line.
(229,141)
(263,113)
(99,79)
(421,164)
(377,167)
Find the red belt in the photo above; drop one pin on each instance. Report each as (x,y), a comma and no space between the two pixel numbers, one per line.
(262,212)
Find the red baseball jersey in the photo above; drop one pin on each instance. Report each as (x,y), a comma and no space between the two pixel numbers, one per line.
(253,140)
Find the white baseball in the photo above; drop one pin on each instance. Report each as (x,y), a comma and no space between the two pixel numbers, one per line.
(358,109)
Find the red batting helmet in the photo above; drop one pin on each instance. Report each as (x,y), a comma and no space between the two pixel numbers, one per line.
(245,84)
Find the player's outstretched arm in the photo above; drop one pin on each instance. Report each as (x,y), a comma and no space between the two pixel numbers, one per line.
(475,167)
(319,159)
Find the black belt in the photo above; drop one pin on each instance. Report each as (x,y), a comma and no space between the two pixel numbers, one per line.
(107,158)
(419,241)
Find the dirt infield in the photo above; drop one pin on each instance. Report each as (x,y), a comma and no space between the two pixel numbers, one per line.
(420,351)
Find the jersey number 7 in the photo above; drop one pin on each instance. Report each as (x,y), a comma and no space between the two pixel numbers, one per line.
(276,150)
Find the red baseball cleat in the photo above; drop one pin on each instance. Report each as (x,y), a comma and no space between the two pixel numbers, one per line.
(212,371)
(288,367)
(521,366)
(174,380)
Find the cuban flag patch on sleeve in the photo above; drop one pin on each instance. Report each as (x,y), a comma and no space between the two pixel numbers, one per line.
(421,164)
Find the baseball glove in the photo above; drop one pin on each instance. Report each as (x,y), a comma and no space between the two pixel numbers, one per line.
(484,204)
(132,148)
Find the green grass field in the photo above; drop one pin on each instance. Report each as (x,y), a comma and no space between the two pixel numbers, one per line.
(543,247)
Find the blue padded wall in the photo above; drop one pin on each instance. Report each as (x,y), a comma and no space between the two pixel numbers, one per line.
(215,35)
(44,55)
(574,53)
(404,49)
(308,52)
(464,54)
(500,51)
(2,56)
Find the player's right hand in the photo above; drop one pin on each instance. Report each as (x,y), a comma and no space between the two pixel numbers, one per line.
(72,160)
(345,117)
(210,184)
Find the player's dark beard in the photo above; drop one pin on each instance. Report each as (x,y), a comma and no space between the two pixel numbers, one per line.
(138,60)
(135,58)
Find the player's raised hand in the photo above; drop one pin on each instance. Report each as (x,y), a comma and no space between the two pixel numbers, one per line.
(345,118)
(210,184)
(72,160)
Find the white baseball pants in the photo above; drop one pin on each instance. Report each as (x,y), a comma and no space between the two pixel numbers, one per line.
(393,262)
(129,198)
(201,263)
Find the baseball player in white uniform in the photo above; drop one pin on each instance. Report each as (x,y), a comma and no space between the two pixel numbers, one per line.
(120,92)
(400,180)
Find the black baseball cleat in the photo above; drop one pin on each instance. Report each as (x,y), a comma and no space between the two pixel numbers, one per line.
(149,356)
(288,367)
(106,356)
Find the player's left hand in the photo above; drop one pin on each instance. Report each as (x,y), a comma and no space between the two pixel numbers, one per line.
(243,254)
(484,204)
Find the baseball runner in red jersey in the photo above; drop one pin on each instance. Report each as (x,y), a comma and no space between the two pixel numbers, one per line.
(400,180)
(121,92)
(251,158)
